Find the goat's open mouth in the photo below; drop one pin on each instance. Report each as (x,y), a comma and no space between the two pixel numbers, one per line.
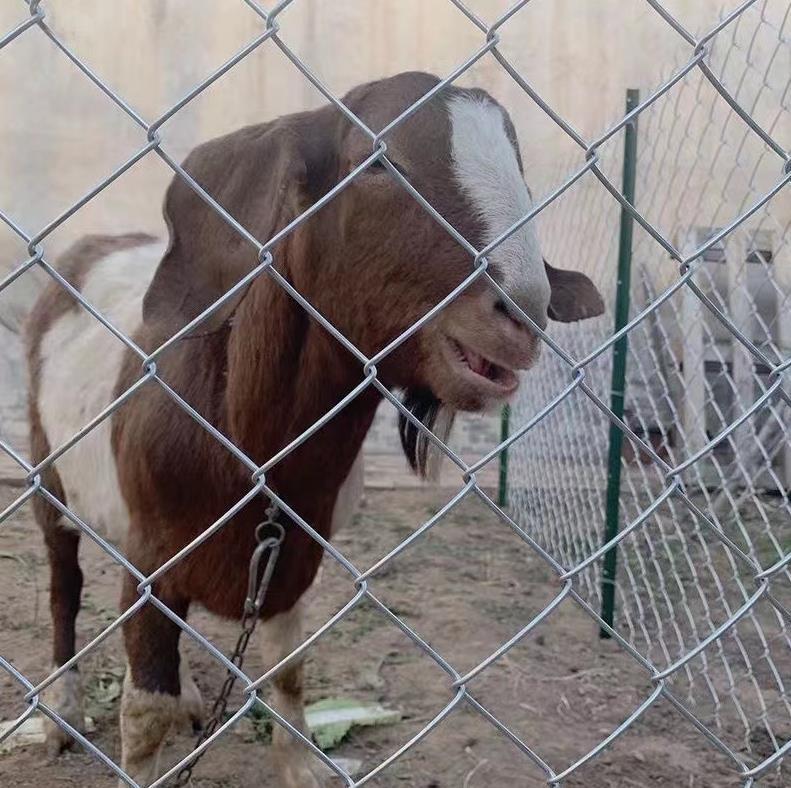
(473,363)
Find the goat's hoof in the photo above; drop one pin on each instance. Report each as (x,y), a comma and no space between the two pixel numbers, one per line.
(295,773)
(64,697)
(190,706)
(300,777)
(56,739)
(190,703)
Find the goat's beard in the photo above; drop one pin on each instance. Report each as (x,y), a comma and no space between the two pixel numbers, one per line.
(422,454)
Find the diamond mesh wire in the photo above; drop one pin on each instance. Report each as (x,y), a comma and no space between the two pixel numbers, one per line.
(698,576)
(688,378)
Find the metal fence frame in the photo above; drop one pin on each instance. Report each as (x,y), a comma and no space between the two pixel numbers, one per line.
(153,143)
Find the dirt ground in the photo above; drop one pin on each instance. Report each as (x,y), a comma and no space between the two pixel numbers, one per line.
(466,587)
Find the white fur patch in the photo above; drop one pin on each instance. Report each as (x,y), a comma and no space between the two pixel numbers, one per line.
(487,169)
(65,698)
(281,635)
(190,700)
(80,363)
(348,500)
(146,719)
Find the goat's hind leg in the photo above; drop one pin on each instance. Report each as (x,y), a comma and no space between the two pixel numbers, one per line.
(64,696)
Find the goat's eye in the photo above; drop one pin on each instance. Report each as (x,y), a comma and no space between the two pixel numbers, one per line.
(377,168)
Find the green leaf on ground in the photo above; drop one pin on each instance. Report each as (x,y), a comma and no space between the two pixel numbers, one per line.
(331,719)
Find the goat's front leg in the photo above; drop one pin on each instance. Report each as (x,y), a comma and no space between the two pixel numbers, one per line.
(150,704)
(282,634)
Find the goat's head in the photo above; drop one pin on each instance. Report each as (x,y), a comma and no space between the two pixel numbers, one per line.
(373,261)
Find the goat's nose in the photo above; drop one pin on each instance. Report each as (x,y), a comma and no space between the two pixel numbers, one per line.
(533,301)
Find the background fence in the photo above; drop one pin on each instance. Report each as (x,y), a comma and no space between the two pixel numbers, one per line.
(703,596)
(689,378)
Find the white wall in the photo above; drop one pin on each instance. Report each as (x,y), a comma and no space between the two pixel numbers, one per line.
(60,136)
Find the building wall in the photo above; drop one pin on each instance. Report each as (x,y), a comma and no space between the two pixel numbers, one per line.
(60,136)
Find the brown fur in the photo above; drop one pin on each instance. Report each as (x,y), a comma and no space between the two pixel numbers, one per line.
(176,478)
(261,370)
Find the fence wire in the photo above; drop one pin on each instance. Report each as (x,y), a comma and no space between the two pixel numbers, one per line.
(688,379)
(677,624)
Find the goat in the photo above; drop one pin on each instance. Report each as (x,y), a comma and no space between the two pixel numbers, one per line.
(260,369)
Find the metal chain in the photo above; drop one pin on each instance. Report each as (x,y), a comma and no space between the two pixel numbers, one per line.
(267,549)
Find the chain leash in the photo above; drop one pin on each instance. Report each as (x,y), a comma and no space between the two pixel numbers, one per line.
(267,550)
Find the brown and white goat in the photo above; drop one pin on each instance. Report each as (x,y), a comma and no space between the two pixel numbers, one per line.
(372,261)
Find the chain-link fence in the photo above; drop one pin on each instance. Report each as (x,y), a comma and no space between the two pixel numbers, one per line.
(692,373)
(703,599)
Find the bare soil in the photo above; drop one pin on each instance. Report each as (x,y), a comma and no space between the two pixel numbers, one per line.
(466,587)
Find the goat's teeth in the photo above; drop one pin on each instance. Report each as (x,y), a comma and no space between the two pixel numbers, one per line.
(476,362)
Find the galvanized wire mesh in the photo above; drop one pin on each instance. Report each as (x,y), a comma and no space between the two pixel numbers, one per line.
(673,623)
(688,378)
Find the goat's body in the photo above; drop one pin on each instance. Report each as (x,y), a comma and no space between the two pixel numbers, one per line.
(264,371)
(78,367)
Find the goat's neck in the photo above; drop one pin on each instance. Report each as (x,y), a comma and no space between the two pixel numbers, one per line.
(284,373)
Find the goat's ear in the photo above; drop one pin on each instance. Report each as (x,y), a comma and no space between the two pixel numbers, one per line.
(573,297)
(257,174)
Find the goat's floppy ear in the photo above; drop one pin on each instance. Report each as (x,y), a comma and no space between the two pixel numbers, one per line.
(256,174)
(573,297)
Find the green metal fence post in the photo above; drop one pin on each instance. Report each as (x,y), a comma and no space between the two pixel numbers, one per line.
(502,491)
(618,384)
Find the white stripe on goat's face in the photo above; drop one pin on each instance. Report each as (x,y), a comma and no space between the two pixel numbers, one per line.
(486,167)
